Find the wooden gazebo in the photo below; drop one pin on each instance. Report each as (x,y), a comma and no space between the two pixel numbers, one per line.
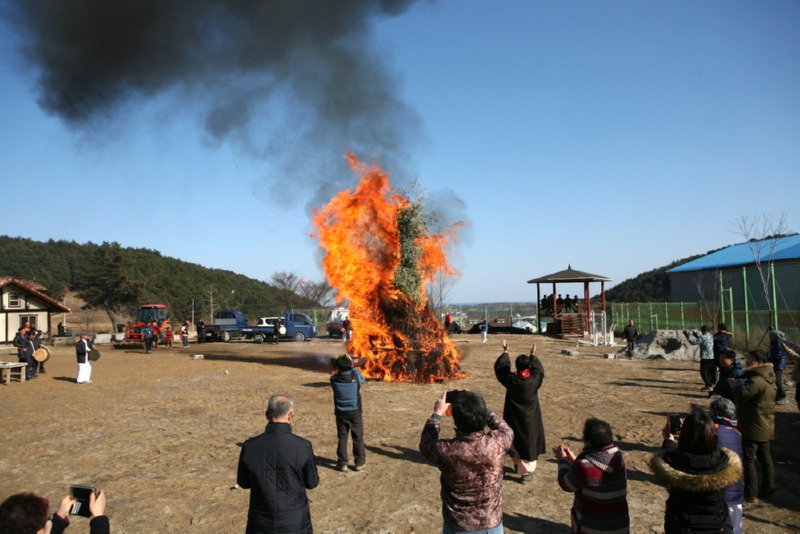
(567,321)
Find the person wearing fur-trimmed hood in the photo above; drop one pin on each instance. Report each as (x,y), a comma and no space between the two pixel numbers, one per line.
(696,471)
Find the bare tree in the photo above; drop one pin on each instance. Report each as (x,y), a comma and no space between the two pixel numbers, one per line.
(288,285)
(762,233)
(286,281)
(439,288)
(709,298)
(320,292)
(209,291)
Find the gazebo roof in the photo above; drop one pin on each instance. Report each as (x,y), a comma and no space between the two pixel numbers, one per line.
(570,275)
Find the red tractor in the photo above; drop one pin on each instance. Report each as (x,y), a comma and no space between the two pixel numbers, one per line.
(146,314)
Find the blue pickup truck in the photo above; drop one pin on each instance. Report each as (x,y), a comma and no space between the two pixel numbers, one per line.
(230,325)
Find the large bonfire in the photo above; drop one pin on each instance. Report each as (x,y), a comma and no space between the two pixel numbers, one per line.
(379,255)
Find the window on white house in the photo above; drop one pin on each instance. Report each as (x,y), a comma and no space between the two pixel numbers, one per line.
(14,301)
(31,319)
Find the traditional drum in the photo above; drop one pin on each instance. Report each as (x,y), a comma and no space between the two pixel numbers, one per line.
(42,354)
(94,355)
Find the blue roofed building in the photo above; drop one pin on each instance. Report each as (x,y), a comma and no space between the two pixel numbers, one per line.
(766,272)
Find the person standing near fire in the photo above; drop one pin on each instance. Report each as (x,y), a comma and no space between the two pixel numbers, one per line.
(521,410)
(347,330)
(346,384)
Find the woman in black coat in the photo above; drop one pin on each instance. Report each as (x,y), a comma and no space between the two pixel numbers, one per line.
(697,472)
(521,410)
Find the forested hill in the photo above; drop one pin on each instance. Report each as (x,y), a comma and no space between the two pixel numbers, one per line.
(652,286)
(65,266)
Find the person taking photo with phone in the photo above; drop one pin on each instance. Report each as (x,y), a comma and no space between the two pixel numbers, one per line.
(27,513)
(471,463)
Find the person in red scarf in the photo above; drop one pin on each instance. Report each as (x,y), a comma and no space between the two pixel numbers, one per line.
(521,410)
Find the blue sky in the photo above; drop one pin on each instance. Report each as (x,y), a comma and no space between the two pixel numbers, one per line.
(614,136)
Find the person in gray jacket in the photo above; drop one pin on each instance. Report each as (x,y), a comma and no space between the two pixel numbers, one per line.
(707,362)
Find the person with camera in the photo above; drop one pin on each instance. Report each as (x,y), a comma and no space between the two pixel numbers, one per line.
(755,407)
(598,478)
(27,513)
(697,472)
(471,463)
(346,384)
(278,467)
(521,409)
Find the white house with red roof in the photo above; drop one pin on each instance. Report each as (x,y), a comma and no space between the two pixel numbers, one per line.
(25,301)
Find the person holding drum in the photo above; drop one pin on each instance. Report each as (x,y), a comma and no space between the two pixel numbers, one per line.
(37,344)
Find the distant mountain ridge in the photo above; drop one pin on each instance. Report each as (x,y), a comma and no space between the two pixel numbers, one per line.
(651,286)
(181,285)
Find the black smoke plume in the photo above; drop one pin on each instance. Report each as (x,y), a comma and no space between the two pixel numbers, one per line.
(296,82)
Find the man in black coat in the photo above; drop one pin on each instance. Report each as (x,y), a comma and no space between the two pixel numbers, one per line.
(629,334)
(278,467)
(521,409)
(20,343)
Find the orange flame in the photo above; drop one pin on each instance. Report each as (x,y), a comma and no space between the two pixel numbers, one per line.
(398,334)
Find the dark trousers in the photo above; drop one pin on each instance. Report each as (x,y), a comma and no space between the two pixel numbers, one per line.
(33,365)
(354,426)
(630,346)
(148,344)
(758,451)
(707,372)
(779,383)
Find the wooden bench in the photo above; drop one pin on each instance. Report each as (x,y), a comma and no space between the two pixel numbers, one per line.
(7,367)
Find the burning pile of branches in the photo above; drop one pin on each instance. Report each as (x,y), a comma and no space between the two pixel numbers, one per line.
(379,255)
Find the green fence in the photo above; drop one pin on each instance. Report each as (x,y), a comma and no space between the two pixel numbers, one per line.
(749,327)
(465,315)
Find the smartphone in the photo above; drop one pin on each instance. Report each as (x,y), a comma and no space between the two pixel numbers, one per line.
(453,397)
(675,424)
(81,494)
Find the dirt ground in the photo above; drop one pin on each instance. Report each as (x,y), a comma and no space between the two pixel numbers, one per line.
(160,434)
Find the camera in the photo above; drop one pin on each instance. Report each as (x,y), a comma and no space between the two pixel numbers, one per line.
(81,494)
